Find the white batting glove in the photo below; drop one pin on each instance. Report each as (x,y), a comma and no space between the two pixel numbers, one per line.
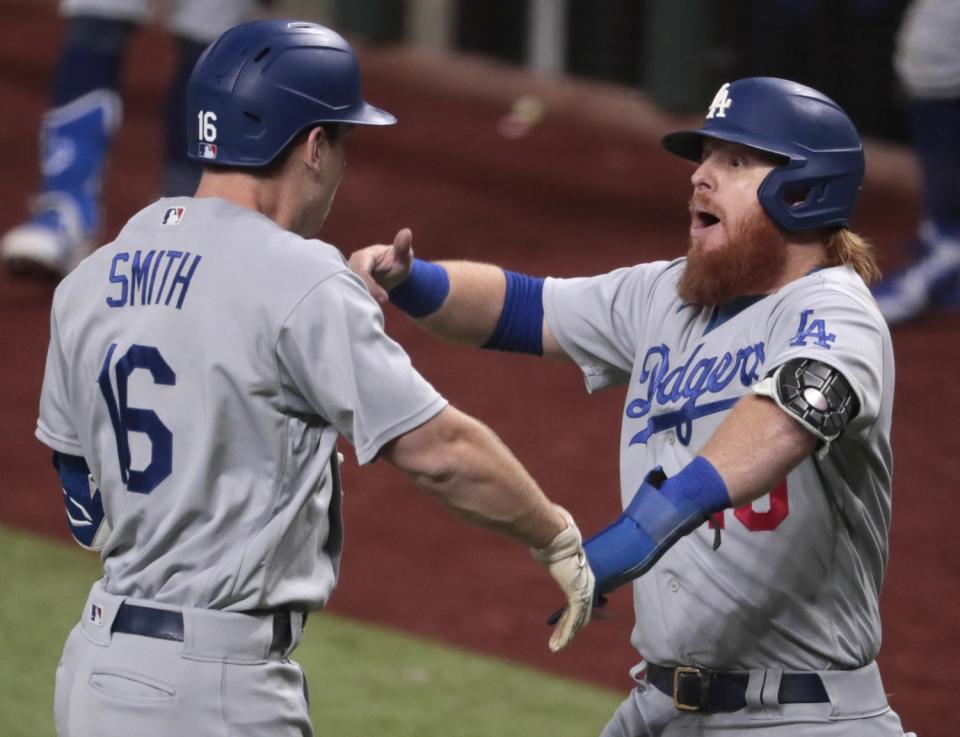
(564,558)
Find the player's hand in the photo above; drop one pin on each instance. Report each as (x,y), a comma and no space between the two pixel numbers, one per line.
(599,602)
(382,267)
(564,558)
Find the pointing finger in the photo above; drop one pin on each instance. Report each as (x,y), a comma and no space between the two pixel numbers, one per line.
(402,243)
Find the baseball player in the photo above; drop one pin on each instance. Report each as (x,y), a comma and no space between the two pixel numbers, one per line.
(755,454)
(927,61)
(85,113)
(200,370)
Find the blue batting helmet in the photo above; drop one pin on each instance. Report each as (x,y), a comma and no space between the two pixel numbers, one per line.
(817,185)
(261,83)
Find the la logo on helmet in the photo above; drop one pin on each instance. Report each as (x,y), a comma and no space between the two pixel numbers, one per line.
(721,101)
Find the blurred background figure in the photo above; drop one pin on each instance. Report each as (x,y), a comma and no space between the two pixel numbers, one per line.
(85,110)
(927,61)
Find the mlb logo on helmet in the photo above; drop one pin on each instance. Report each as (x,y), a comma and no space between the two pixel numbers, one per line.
(172,216)
(208,150)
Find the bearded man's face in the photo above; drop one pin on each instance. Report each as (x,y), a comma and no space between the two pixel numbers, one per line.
(735,248)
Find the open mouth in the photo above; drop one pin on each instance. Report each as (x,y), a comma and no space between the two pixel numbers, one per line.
(704,219)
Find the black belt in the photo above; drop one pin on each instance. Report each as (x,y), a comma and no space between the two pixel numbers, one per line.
(165,624)
(696,689)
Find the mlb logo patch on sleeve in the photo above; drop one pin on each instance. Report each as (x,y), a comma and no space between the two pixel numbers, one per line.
(96,614)
(173,216)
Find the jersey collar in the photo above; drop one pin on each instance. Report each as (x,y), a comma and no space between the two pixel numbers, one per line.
(728,310)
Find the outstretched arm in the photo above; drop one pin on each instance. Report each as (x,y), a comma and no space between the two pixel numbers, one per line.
(463,465)
(459,301)
(751,452)
(755,448)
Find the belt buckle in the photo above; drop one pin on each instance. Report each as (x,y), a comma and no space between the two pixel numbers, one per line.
(678,674)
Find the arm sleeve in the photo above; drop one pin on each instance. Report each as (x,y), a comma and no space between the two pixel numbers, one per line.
(839,330)
(83,500)
(337,357)
(600,320)
(54,427)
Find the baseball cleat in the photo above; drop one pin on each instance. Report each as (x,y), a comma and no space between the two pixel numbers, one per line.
(52,242)
(930,280)
(66,219)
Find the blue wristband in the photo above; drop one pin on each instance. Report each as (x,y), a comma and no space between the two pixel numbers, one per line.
(520,327)
(660,513)
(698,485)
(424,291)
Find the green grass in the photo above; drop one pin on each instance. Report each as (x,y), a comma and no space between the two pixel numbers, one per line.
(363,680)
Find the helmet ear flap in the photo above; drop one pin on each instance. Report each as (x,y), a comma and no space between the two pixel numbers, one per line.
(787,198)
(772,199)
(808,195)
(797,195)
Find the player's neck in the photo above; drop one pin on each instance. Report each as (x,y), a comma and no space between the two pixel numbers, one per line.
(260,194)
(804,253)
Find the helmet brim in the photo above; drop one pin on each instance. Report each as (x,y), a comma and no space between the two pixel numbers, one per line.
(367,114)
(689,143)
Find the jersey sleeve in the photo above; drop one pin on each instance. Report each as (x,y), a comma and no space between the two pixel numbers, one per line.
(54,427)
(337,357)
(839,330)
(599,320)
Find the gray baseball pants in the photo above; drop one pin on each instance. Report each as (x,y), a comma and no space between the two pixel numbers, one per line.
(858,705)
(227,676)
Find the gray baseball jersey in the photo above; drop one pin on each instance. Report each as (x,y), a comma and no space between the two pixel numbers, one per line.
(796,580)
(204,364)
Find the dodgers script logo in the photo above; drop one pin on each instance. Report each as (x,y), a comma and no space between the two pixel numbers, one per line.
(690,381)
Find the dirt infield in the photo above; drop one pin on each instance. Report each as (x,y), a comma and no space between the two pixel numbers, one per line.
(574,196)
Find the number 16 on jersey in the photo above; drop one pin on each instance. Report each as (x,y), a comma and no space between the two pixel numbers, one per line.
(126,419)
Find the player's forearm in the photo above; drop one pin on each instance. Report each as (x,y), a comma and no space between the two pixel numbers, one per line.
(464,466)
(502,502)
(755,448)
(485,484)
(473,305)
(750,453)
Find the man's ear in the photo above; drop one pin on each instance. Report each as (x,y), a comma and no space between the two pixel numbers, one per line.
(316,147)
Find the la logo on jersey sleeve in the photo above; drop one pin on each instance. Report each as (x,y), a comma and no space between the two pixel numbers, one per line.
(815,330)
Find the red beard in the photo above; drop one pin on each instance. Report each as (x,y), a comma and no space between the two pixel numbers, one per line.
(750,262)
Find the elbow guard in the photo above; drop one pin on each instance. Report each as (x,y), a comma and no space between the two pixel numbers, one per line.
(816,395)
(661,512)
(84,503)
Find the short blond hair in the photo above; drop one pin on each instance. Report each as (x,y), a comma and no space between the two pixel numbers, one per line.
(846,247)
